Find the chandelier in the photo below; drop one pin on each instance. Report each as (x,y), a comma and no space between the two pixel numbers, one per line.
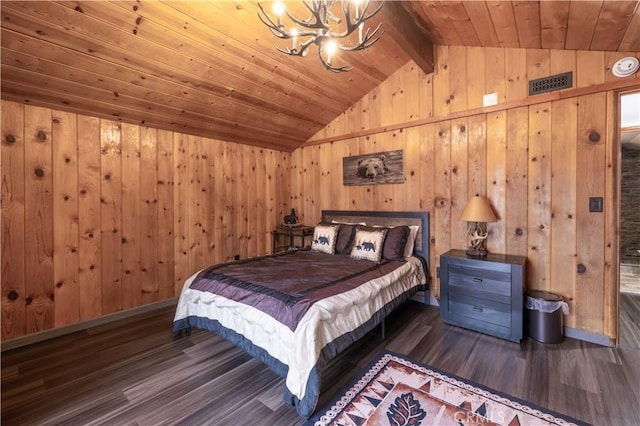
(328,31)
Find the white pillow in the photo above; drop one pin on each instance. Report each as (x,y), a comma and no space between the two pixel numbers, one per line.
(324,239)
(411,240)
(368,245)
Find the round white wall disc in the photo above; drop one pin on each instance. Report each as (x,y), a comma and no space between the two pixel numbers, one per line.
(625,67)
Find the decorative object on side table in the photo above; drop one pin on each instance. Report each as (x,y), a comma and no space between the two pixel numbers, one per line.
(290,219)
(478,212)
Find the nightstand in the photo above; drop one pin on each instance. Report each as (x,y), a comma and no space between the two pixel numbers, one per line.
(290,234)
(484,294)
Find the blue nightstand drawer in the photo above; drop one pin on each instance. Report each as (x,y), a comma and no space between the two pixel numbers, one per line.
(483,294)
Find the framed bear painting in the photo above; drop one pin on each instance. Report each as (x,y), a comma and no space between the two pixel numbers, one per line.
(376,168)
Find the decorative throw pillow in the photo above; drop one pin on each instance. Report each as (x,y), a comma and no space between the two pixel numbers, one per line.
(346,232)
(411,240)
(324,238)
(368,245)
(395,242)
(344,241)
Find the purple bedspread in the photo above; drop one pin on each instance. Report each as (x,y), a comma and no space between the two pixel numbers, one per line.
(286,285)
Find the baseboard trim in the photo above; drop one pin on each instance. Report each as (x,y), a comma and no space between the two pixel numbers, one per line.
(68,329)
(598,339)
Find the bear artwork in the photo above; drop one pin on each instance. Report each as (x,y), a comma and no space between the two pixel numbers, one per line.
(366,246)
(322,240)
(371,167)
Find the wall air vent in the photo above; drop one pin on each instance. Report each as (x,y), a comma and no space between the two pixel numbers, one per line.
(551,83)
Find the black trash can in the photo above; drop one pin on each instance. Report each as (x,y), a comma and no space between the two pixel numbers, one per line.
(544,316)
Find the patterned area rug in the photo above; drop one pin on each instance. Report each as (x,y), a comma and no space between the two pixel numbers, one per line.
(393,390)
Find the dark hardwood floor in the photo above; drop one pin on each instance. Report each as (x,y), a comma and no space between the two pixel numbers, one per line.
(629,320)
(135,372)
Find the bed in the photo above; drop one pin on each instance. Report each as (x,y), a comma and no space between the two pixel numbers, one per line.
(297,310)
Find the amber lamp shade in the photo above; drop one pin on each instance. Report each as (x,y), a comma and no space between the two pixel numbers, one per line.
(478,212)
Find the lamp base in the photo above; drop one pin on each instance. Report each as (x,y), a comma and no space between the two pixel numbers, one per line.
(477,235)
(476,251)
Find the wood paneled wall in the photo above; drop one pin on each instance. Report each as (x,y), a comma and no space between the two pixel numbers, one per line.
(536,163)
(100,216)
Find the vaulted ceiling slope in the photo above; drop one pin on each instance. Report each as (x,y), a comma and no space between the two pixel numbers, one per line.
(210,68)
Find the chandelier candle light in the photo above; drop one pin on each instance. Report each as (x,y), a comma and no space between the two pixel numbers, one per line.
(324,28)
(478,212)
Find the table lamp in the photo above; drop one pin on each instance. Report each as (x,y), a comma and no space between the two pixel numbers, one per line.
(477,212)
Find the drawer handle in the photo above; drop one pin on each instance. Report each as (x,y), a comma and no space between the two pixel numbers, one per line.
(476,309)
(478,280)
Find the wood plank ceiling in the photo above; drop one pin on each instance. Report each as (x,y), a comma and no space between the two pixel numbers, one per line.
(210,69)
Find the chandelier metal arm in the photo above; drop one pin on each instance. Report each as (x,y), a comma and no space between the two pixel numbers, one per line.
(316,29)
(366,6)
(301,51)
(352,26)
(370,38)
(316,10)
(276,30)
(280,32)
(330,67)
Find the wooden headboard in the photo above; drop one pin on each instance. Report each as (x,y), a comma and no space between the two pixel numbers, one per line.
(386,218)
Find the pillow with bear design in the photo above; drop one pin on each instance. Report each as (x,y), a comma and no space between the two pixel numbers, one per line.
(368,245)
(324,239)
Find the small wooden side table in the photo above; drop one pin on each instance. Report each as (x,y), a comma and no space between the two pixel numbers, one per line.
(290,234)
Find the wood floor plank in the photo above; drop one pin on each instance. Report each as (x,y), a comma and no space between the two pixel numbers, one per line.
(630,320)
(135,372)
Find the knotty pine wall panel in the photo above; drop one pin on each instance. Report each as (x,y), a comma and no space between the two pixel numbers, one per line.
(38,236)
(131,224)
(242,217)
(477,160)
(476,67)
(89,249)
(563,198)
(411,167)
(539,196)
(165,237)
(111,212)
(231,167)
(496,177)
(458,179)
(614,217)
(220,219)
(494,74)
(591,169)
(196,226)
(442,185)
(517,152)
(148,184)
(65,212)
(534,162)
(100,216)
(13,273)
(180,213)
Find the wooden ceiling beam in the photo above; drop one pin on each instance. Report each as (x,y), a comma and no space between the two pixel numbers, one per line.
(400,25)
